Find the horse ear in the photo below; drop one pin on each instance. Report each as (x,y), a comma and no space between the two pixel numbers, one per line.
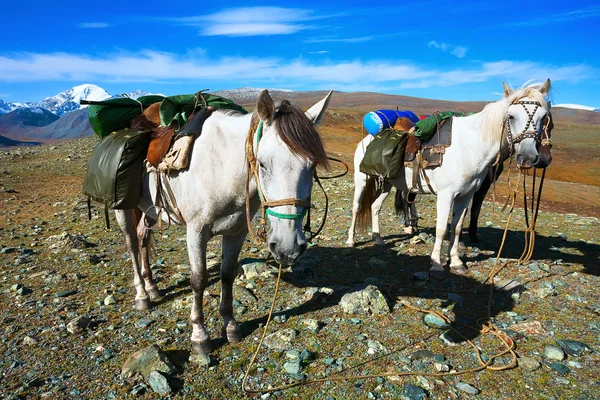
(507,90)
(545,88)
(317,112)
(265,106)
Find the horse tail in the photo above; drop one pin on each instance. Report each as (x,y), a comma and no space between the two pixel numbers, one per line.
(367,199)
(399,202)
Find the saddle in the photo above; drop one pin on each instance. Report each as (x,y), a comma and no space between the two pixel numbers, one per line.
(161,137)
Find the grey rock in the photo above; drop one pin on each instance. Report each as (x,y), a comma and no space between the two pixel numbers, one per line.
(203,360)
(434,321)
(574,348)
(281,340)
(143,323)
(251,268)
(560,368)
(575,364)
(529,363)
(307,355)
(140,388)
(65,293)
(412,392)
(293,354)
(159,383)
(312,324)
(16,286)
(545,292)
(554,353)
(375,347)
(465,387)
(145,361)
(293,367)
(365,300)
(79,324)
(110,299)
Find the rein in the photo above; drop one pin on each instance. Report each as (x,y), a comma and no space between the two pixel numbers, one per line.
(525,133)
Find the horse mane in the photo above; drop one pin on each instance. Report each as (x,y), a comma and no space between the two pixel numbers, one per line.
(299,134)
(494,113)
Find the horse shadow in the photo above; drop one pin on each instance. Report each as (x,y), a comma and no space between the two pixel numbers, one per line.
(350,270)
(553,248)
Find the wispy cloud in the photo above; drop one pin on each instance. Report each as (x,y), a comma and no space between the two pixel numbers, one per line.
(319,52)
(333,39)
(458,51)
(252,21)
(93,25)
(153,66)
(588,12)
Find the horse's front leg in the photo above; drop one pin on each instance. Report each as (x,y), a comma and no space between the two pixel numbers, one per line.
(144,237)
(360,183)
(375,210)
(231,250)
(196,243)
(458,215)
(444,203)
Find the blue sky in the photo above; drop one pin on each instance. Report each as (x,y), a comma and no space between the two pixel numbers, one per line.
(455,50)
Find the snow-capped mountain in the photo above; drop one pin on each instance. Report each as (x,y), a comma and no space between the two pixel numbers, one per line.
(68,100)
(576,106)
(6,106)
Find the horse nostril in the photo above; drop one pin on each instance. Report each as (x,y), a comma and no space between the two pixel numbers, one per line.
(519,159)
(273,248)
(537,160)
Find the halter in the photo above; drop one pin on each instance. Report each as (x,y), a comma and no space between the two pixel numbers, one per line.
(525,133)
(251,149)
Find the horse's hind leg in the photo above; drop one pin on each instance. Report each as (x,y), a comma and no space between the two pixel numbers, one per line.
(231,250)
(458,215)
(127,220)
(414,217)
(196,243)
(375,209)
(144,240)
(360,183)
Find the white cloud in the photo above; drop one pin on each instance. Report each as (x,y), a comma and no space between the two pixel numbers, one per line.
(154,66)
(93,25)
(319,52)
(332,39)
(251,21)
(458,51)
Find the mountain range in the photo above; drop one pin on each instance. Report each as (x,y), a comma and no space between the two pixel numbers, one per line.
(61,117)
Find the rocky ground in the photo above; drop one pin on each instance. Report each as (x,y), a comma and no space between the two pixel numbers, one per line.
(69,329)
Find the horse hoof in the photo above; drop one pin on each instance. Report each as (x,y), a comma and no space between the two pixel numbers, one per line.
(379,242)
(350,244)
(153,293)
(437,272)
(233,333)
(143,304)
(459,269)
(204,347)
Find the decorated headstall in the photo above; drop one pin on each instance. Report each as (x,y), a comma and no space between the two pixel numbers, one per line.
(542,137)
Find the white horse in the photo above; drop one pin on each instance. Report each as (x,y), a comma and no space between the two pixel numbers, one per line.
(510,125)
(282,152)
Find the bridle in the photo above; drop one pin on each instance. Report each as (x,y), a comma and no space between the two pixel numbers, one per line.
(527,133)
(251,151)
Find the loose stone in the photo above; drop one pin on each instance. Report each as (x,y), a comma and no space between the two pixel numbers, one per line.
(554,353)
(159,383)
(465,387)
(434,321)
(574,348)
(412,392)
(529,363)
(110,299)
(560,368)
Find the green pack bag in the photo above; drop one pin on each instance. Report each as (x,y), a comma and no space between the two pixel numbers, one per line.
(114,173)
(384,156)
(426,128)
(111,115)
(179,108)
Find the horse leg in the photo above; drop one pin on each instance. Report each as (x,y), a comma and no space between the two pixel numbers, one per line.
(375,209)
(196,243)
(478,199)
(231,247)
(414,217)
(360,183)
(127,222)
(444,202)
(144,240)
(459,212)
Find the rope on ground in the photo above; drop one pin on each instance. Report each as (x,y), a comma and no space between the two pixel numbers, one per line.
(488,328)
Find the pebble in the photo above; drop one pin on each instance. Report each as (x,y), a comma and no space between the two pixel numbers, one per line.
(65,293)
(529,363)
(159,383)
(465,387)
(434,321)
(545,292)
(110,299)
(281,340)
(554,353)
(78,324)
(412,392)
(145,361)
(143,323)
(203,360)
(560,368)
(312,324)
(375,347)
(293,367)
(575,364)
(140,388)
(574,348)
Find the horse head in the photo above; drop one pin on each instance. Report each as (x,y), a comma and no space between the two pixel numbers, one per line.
(288,148)
(528,124)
